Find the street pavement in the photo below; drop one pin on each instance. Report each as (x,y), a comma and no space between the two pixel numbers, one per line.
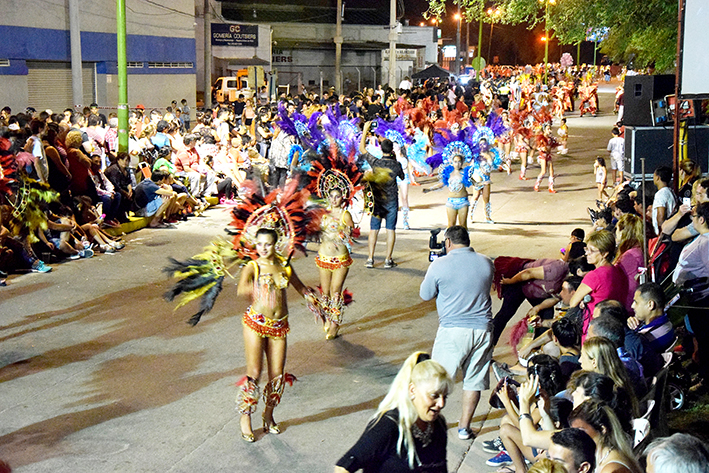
(99,374)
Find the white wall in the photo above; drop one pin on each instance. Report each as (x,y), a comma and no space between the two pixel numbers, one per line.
(152,90)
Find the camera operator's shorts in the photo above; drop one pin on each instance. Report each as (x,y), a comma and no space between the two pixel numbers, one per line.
(457,203)
(468,349)
(392,210)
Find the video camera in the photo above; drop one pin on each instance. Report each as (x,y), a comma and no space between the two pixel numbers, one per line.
(435,249)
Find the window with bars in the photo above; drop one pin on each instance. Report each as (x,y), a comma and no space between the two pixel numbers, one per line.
(135,65)
(4,63)
(170,65)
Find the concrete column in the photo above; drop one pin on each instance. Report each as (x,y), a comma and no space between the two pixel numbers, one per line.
(393,36)
(207,55)
(338,48)
(77,84)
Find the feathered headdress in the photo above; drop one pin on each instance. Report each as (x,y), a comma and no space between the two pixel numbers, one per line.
(394,131)
(28,208)
(450,143)
(7,167)
(334,170)
(342,130)
(282,211)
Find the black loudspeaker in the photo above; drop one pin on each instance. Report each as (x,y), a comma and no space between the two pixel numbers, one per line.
(640,92)
(655,144)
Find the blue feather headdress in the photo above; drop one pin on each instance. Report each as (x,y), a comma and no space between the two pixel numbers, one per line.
(450,143)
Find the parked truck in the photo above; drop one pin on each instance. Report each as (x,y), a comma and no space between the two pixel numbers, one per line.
(245,81)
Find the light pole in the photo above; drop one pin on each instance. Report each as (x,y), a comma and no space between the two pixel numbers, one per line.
(546,34)
(492,13)
(458,18)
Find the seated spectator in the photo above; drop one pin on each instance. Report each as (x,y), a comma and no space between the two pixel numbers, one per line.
(574,449)
(585,385)
(545,465)
(664,203)
(613,447)
(629,257)
(79,168)
(155,198)
(119,175)
(59,237)
(679,453)
(90,222)
(575,248)
(226,190)
(650,320)
(110,198)
(187,163)
(636,346)
(692,271)
(680,226)
(604,282)
(613,330)
(161,139)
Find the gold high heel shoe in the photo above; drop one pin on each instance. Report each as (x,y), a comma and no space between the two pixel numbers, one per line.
(248,437)
(271,428)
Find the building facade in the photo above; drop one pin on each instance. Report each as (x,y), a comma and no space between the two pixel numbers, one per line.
(35,53)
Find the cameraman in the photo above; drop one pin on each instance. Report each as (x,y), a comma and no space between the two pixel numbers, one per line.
(464,338)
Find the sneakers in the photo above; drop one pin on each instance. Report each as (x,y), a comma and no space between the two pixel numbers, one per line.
(86,253)
(501,459)
(501,370)
(389,263)
(493,446)
(369,264)
(465,434)
(40,267)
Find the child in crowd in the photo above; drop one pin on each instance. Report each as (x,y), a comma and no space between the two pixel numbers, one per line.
(563,133)
(616,150)
(599,169)
(575,248)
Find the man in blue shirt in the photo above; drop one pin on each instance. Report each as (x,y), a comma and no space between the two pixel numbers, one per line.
(650,321)
(461,283)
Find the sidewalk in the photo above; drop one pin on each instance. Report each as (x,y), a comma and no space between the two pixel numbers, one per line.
(100,375)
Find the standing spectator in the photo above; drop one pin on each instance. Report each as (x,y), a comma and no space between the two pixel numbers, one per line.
(35,146)
(405,84)
(111,137)
(616,150)
(375,108)
(185,115)
(101,117)
(665,203)
(386,200)
(239,109)
(278,156)
(464,338)
(679,453)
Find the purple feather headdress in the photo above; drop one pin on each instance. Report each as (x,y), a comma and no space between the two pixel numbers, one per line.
(394,131)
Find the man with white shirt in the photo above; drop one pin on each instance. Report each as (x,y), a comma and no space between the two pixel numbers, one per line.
(665,203)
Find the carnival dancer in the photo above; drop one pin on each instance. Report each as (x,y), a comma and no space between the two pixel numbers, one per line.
(268,231)
(456,174)
(337,179)
(487,159)
(504,142)
(545,145)
(522,126)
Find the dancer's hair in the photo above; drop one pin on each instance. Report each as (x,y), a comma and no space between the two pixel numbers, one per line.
(631,234)
(604,352)
(420,370)
(601,417)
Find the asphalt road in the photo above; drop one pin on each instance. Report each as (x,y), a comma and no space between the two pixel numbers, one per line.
(99,374)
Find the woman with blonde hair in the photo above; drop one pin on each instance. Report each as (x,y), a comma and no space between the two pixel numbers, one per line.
(605,282)
(407,433)
(546,465)
(629,257)
(598,354)
(614,453)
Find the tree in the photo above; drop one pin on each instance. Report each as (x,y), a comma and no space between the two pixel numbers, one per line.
(645,29)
